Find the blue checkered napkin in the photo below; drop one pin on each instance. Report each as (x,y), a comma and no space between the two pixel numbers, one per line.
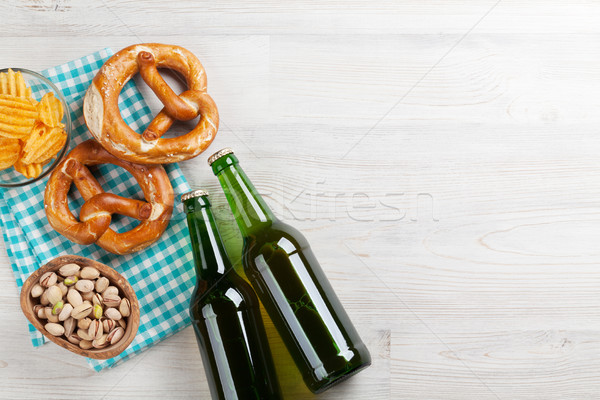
(162,275)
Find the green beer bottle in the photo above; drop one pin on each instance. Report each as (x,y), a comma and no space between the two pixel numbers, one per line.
(291,285)
(226,316)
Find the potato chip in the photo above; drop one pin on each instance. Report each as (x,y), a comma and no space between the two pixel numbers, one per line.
(50,110)
(43,143)
(9,152)
(29,170)
(13,84)
(17,116)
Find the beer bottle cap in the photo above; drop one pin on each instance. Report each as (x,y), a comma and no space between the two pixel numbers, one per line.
(219,154)
(193,193)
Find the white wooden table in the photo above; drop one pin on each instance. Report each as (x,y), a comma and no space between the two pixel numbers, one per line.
(442,157)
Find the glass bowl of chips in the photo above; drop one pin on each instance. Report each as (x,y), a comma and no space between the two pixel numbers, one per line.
(35,127)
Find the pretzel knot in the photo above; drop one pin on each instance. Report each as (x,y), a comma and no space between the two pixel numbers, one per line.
(96,213)
(103,118)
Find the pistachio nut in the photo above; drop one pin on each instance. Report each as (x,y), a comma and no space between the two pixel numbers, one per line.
(58,307)
(37,290)
(97,311)
(44,299)
(41,313)
(70,280)
(48,279)
(108,325)
(69,269)
(49,316)
(85,344)
(110,290)
(111,300)
(115,335)
(74,297)
(97,299)
(101,284)
(81,311)
(83,333)
(101,342)
(66,312)
(87,296)
(54,329)
(89,273)
(63,288)
(73,338)
(69,325)
(96,329)
(53,294)
(125,308)
(84,323)
(112,313)
(84,285)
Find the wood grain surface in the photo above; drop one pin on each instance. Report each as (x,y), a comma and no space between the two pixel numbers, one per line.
(440,156)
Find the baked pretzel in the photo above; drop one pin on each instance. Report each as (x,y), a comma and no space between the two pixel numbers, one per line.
(96,212)
(101,109)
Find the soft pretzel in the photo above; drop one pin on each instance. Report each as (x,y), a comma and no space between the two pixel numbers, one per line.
(96,212)
(101,109)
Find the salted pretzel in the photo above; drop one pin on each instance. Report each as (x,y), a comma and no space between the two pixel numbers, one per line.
(96,213)
(102,116)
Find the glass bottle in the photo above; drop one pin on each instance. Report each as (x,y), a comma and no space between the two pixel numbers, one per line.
(291,284)
(226,315)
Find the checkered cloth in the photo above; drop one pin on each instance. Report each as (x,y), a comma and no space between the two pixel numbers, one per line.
(162,275)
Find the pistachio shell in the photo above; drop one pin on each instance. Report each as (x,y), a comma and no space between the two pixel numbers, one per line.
(108,325)
(54,294)
(49,316)
(89,273)
(73,338)
(97,299)
(69,269)
(84,323)
(44,299)
(85,344)
(54,329)
(101,342)
(115,335)
(83,333)
(96,329)
(112,313)
(101,284)
(66,312)
(111,300)
(63,288)
(48,279)
(41,313)
(37,290)
(110,290)
(84,285)
(74,297)
(81,311)
(88,296)
(69,325)
(125,308)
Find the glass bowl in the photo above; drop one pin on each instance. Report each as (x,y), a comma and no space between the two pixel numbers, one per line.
(39,85)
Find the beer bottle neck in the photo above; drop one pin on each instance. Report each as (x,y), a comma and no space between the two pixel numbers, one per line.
(249,208)
(208,250)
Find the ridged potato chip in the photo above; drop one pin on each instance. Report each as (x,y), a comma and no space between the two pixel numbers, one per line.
(43,144)
(50,110)
(17,116)
(9,152)
(12,83)
(29,170)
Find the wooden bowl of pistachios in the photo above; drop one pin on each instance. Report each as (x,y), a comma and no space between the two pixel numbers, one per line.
(82,305)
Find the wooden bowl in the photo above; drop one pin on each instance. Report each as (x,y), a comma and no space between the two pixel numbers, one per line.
(133,321)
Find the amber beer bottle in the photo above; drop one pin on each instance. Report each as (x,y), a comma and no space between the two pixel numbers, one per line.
(226,315)
(291,285)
